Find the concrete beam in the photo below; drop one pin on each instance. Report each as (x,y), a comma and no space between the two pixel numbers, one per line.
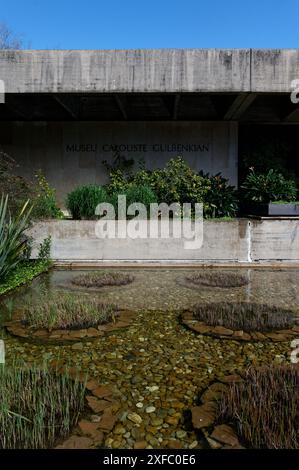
(21,111)
(176,106)
(121,107)
(292,116)
(69,104)
(238,107)
(125,71)
(273,70)
(144,70)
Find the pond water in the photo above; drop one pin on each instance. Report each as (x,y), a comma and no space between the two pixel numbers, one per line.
(157,362)
(163,289)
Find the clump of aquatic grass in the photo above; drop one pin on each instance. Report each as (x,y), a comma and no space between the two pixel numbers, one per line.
(245,316)
(66,311)
(264,408)
(216,279)
(37,406)
(101,279)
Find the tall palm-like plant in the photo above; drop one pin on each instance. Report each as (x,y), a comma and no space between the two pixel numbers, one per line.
(12,242)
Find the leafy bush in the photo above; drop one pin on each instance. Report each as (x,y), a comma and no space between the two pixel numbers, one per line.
(22,274)
(44,252)
(221,199)
(134,194)
(120,163)
(216,279)
(267,187)
(66,311)
(245,316)
(118,183)
(20,190)
(266,153)
(82,202)
(37,406)
(44,204)
(12,240)
(17,188)
(102,279)
(264,407)
(177,182)
(143,194)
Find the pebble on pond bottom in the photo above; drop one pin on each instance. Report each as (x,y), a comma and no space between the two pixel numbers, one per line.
(157,385)
(157,362)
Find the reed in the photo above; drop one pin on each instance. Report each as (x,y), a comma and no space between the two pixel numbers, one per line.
(101,279)
(264,408)
(245,316)
(38,406)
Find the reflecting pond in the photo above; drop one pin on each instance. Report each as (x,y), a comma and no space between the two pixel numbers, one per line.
(156,363)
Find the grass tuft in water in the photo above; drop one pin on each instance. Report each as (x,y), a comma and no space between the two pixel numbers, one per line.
(66,311)
(264,409)
(37,406)
(245,316)
(216,279)
(102,279)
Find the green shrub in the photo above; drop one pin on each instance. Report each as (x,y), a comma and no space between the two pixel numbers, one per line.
(177,182)
(118,183)
(267,187)
(264,154)
(143,194)
(20,190)
(23,274)
(134,194)
(12,241)
(44,203)
(120,163)
(82,202)
(44,252)
(38,406)
(221,199)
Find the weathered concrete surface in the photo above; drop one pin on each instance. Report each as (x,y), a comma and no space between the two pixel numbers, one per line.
(145,70)
(240,241)
(140,70)
(71,154)
(276,240)
(272,70)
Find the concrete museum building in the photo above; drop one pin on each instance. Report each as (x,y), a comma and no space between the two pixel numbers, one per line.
(65,112)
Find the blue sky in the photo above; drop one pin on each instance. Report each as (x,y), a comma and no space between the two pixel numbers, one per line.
(116,24)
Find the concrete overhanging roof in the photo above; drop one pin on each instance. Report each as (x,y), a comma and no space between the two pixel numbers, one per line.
(150,71)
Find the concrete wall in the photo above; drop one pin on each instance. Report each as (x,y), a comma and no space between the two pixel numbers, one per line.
(238,241)
(143,70)
(71,153)
(275,240)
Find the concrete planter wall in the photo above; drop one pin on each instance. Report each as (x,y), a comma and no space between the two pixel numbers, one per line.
(238,241)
